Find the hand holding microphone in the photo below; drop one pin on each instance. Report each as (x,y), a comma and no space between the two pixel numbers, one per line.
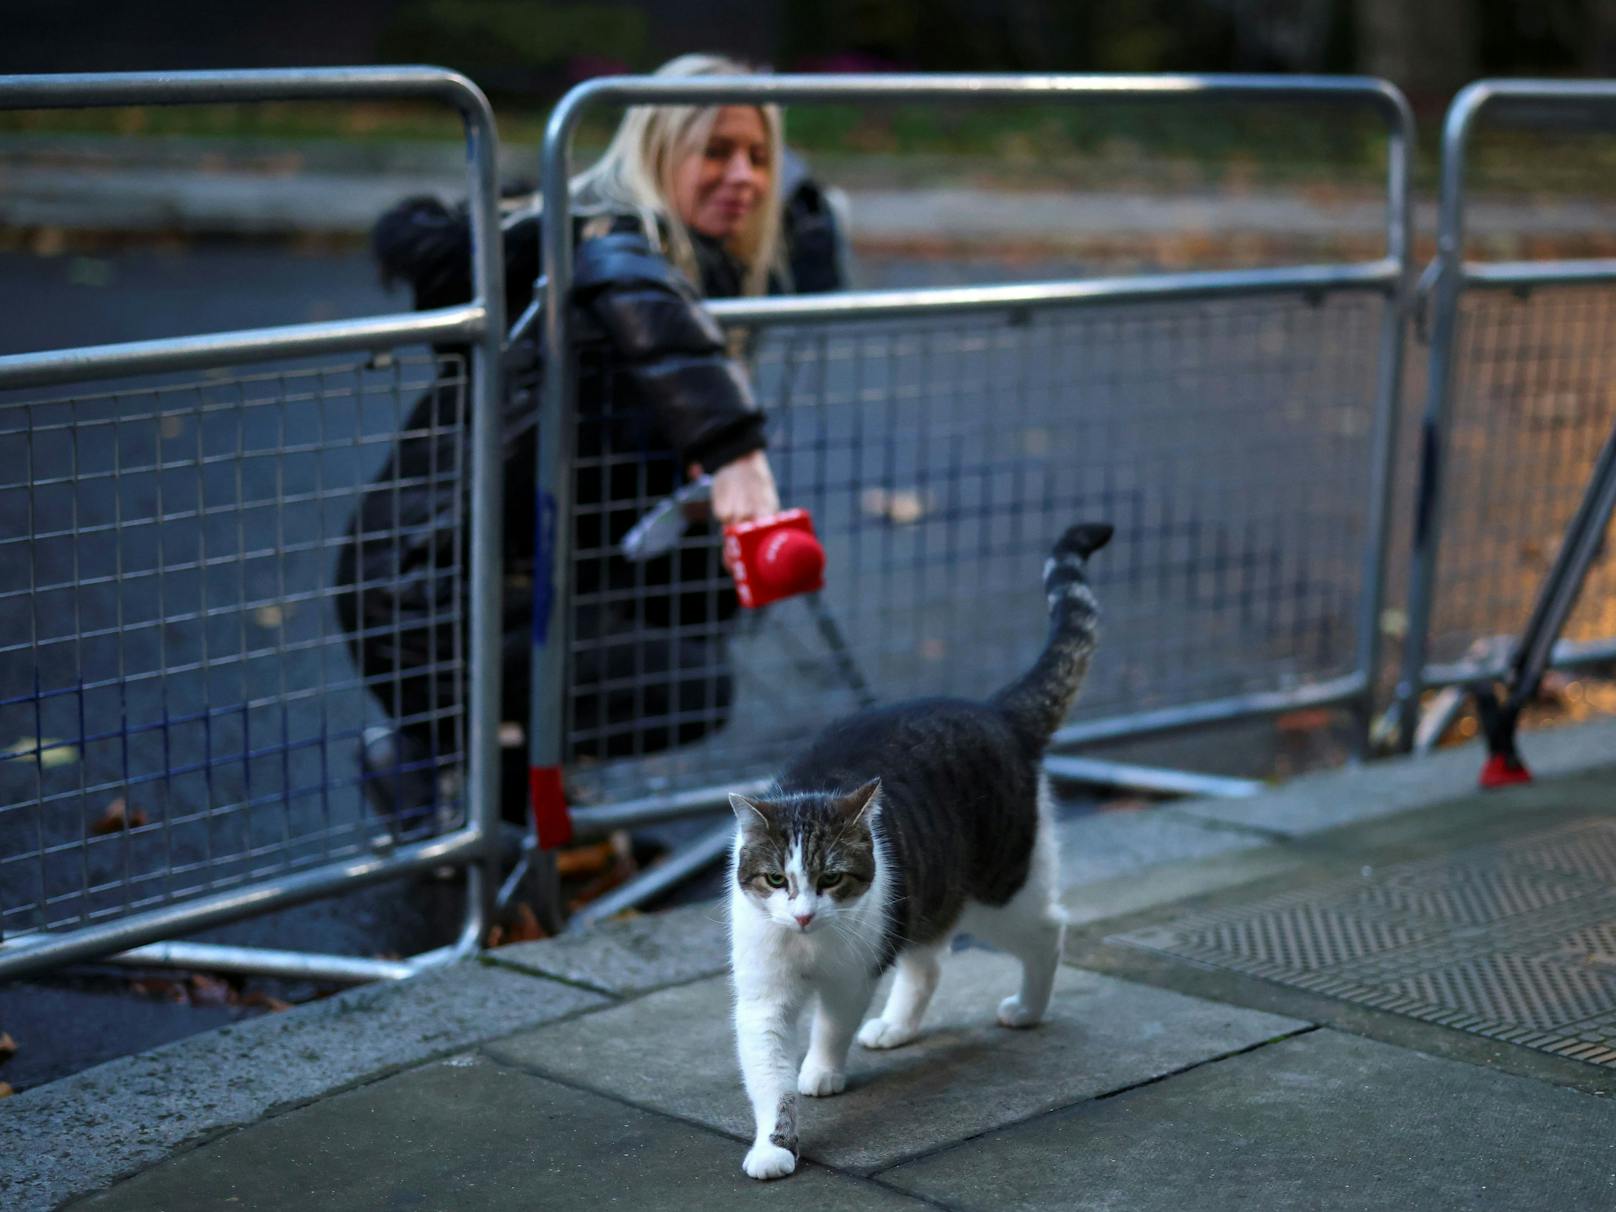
(743,489)
(772,554)
(774,557)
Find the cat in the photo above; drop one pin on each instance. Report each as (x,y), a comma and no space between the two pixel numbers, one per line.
(897,827)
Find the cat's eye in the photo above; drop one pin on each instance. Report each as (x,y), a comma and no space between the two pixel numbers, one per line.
(774,879)
(829,880)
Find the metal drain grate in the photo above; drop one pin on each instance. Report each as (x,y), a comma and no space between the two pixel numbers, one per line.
(1513,940)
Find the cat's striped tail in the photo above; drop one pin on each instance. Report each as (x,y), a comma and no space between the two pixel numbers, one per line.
(1036,702)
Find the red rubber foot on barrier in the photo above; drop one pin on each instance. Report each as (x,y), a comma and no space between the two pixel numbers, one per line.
(551,820)
(1504,769)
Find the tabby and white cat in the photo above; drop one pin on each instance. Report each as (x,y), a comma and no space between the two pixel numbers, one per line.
(898,827)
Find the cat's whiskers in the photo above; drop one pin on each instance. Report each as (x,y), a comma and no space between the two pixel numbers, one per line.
(866,948)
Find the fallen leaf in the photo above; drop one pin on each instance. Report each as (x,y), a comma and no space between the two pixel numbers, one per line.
(620,872)
(8,1046)
(590,859)
(874,502)
(1126,804)
(50,751)
(527,928)
(521,926)
(900,506)
(5,1090)
(205,990)
(119,816)
(159,989)
(1394,623)
(905,508)
(1556,685)
(49,242)
(1308,720)
(263,1000)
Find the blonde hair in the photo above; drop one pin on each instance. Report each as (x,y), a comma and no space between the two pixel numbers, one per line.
(635,176)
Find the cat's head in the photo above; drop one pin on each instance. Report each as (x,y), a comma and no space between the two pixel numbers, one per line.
(806,858)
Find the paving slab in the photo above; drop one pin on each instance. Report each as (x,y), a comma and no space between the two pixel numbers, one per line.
(1109,844)
(80,1133)
(674,1052)
(634,956)
(1165,882)
(1323,1120)
(468,1133)
(1330,798)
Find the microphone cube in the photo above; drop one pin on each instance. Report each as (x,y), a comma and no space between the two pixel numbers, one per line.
(774,557)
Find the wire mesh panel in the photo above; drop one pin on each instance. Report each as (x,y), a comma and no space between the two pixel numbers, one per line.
(181,565)
(1533,402)
(1518,405)
(1229,441)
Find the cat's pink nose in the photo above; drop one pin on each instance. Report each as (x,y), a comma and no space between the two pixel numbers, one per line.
(803,919)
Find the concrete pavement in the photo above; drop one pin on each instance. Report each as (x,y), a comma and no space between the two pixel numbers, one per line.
(598,1069)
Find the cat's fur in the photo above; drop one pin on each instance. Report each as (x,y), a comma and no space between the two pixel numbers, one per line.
(898,827)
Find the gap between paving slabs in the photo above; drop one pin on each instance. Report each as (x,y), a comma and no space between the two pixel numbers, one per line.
(1441,832)
(631,956)
(468,1132)
(135,1111)
(121,1149)
(1320,1120)
(671,1051)
(138,1118)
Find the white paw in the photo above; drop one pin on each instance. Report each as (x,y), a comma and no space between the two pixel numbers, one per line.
(817,1081)
(1013,1014)
(766,1160)
(878,1033)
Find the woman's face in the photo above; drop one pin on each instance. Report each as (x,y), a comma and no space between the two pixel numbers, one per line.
(717,186)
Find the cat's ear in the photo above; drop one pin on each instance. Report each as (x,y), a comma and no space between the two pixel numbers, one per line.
(747,812)
(862,805)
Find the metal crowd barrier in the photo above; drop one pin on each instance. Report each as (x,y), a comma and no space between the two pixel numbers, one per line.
(1236,426)
(1518,406)
(170,647)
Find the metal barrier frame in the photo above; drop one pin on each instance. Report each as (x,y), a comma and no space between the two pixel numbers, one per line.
(1446,280)
(1388,275)
(479,323)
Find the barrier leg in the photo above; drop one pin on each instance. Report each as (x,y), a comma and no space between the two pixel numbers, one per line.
(1556,599)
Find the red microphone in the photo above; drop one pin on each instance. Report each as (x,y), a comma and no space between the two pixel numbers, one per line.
(774,557)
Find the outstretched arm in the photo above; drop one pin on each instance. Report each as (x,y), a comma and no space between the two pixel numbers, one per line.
(672,354)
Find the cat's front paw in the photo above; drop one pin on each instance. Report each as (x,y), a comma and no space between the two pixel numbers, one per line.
(766,1160)
(1013,1014)
(878,1033)
(816,1081)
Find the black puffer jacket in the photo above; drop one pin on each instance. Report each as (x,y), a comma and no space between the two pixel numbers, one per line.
(666,350)
(654,382)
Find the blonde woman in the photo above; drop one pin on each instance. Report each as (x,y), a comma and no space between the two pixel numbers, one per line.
(683,205)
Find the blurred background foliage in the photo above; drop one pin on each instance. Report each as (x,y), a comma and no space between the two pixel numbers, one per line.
(534,49)
(527,53)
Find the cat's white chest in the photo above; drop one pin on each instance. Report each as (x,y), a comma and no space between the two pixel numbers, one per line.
(769,954)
